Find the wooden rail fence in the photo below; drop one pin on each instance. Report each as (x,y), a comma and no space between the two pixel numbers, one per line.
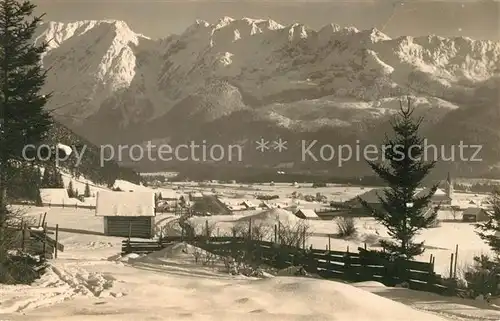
(75,205)
(348,266)
(37,241)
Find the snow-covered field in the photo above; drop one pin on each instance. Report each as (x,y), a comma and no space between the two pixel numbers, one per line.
(88,281)
(440,242)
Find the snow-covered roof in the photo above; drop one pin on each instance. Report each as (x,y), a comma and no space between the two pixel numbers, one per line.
(371,196)
(309,213)
(169,193)
(438,194)
(57,196)
(266,205)
(110,203)
(196,194)
(249,204)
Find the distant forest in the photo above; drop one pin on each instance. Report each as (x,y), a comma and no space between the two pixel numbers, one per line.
(254,176)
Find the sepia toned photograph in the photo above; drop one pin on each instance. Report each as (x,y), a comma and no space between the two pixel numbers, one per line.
(249,160)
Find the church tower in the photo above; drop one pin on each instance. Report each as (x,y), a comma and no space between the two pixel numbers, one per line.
(449,186)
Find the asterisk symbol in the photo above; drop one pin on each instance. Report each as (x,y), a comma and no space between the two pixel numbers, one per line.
(262,145)
(280,145)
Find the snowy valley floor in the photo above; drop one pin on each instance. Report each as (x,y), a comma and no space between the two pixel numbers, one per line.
(89,282)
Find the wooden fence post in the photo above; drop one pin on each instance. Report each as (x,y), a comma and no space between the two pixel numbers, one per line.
(347,265)
(57,240)
(275,233)
(279,232)
(329,242)
(43,221)
(129,231)
(23,240)
(304,238)
(250,229)
(431,280)
(44,245)
(451,265)
(456,258)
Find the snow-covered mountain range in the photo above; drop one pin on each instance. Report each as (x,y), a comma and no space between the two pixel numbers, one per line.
(236,80)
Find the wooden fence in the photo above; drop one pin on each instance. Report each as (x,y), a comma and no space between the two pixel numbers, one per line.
(348,266)
(76,205)
(37,241)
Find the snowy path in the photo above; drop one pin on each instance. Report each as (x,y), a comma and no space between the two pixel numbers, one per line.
(84,283)
(153,292)
(64,280)
(169,286)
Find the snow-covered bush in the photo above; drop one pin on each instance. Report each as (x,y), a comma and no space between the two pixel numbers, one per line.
(346,226)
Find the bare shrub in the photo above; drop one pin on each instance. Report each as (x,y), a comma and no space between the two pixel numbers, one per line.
(372,239)
(205,230)
(260,231)
(209,258)
(197,253)
(346,226)
(293,234)
(454,211)
(208,229)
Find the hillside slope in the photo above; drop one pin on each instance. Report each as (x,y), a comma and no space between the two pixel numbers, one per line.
(91,166)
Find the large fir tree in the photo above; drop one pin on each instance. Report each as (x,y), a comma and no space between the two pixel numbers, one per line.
(489,230)
(403,170)
(23,119)
(25,184)
(483,274)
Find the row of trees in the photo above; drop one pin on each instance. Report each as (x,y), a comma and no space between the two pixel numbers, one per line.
(479,188)
(74,193)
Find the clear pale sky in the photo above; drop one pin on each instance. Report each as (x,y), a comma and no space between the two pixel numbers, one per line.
(475,19)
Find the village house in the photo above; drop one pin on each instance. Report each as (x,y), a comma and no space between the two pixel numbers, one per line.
(168,195)
(475,214)
(127,213)
(440,197)
(306,214)
(195,196)
(354,206)
(249,206)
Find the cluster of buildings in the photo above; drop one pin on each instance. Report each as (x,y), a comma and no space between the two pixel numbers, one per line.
(133,214)
(443,197)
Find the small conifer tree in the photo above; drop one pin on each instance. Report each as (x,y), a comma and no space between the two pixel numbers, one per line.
(86,192)
(71,191)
